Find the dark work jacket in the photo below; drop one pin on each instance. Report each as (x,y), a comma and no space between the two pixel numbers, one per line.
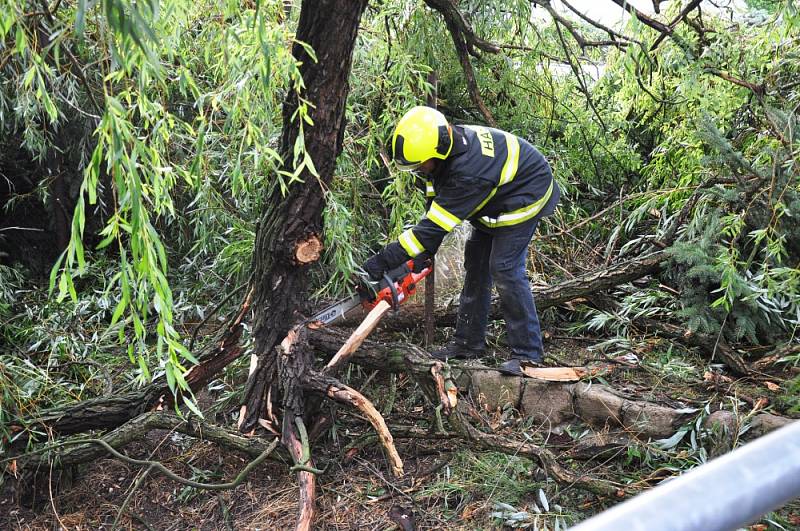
(491,178)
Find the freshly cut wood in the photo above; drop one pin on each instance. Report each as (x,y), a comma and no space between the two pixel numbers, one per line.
(359,335)
(556,374)
(308,250)
(347,395)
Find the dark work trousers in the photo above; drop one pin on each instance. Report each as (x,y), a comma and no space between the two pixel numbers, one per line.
(499,256)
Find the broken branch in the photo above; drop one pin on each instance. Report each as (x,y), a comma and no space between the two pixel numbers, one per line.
(347,395)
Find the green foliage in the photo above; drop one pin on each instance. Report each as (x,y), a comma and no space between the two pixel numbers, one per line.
(171,115)
(497,481)
(174,123)
(183,145)
(54,352)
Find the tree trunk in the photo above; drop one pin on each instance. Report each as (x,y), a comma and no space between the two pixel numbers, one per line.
(291,224)
(289,236)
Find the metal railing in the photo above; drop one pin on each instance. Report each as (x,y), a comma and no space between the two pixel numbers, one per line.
(723,494)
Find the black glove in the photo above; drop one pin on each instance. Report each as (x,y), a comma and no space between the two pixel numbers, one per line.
(422,261)
(376,266)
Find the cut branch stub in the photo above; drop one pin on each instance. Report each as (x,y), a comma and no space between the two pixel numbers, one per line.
(308,250)
(445,388)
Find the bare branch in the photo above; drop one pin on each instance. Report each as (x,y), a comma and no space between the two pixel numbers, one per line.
(682,15)
(347,395)
(136,429)
(451,13)
(646,20)
(306,476)
(455,22)
(757,89)
(611,32)
(580,39)
(579,77)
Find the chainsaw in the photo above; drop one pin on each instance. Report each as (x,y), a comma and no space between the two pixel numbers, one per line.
(395,287)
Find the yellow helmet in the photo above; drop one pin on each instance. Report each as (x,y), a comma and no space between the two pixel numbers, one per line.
(422,133)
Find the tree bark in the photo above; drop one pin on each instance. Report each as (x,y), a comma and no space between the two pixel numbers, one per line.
(289,222)
(289,235)
(136,429)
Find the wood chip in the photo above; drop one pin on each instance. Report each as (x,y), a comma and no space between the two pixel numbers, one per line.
(555,374)
(715,378)
(761,403)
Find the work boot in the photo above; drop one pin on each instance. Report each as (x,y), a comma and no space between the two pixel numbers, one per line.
(454,351)
(513,367)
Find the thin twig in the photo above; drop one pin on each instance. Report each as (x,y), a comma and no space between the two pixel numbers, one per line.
(580,39)
(135,487)
(171,475)
(683,14)
(214,311)
(52,502)
(598,25)
(74,61)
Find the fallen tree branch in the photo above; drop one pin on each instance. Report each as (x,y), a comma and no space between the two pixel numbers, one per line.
(113,411)
(410,315)
(370,352)
(294,362)
(306,479)
(347,395)
(545,457)
(706,342)
(156,465)
(134,430)
(548,402)
(212,313)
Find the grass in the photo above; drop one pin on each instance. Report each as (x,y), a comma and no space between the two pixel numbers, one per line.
(482,490)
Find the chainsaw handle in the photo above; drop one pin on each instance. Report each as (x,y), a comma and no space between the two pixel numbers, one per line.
(392,286)
(398,284)
(396,274)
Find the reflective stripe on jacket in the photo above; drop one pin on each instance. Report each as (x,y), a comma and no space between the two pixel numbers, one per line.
(492,178)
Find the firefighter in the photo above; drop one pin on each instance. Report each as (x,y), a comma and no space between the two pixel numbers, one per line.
(502,185)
